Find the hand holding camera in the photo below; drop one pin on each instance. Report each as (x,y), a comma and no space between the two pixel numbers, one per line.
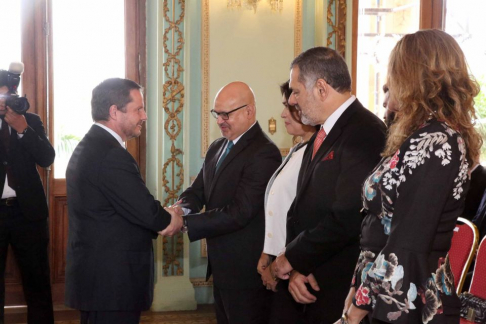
(15,121)
(14,105)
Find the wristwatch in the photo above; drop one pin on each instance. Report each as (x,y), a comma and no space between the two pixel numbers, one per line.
(184,228)
(24,131)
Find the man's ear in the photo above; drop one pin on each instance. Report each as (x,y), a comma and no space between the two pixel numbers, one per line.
(113,112)
(251,110)
(322,88)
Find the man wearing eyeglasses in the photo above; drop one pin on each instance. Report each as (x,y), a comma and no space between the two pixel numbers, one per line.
(231,187)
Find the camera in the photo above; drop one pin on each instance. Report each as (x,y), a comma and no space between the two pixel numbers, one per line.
(18,104)
(12,77)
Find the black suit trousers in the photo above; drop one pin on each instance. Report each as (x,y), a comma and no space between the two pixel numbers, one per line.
(284,310)
(242,306)
(29,241)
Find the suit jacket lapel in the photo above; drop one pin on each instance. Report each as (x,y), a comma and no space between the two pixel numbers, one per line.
(275,174)
(239,146)
(213,161)
(325,148)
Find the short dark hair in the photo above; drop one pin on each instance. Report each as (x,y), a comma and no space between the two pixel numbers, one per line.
(286,92)
(323,63)
(3,78)
(114,91)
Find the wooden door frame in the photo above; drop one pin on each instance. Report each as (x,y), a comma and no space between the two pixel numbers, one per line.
(136,67)
(33,57)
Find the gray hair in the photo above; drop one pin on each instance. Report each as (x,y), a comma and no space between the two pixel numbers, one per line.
(323,63)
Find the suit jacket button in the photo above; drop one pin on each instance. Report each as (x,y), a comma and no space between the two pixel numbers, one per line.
(5,162)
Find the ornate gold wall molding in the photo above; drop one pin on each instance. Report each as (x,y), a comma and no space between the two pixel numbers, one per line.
(298,28)
(205,78)
(201,282)
(336,37)
(205,61)
(173,104)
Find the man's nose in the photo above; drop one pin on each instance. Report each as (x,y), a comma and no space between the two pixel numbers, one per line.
(220,120)
(292,100)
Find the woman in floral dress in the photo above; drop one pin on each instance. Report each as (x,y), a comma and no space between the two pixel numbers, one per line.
(413,197)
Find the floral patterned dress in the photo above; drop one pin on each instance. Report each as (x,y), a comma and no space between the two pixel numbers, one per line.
(412,201)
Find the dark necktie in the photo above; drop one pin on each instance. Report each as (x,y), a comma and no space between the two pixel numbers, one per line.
(226,152)
(321,135)
(5,138)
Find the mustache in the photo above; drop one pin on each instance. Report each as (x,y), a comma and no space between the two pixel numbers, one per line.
(224,125)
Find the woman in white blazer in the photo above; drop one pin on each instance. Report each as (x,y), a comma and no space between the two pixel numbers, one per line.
(281,189)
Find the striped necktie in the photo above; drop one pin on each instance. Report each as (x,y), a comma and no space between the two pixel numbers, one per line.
(226,152)
(321,135)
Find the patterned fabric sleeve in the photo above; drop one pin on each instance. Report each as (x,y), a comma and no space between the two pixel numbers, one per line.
(426,174)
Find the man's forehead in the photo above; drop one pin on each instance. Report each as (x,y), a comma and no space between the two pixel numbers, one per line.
(225,104)
(294,76)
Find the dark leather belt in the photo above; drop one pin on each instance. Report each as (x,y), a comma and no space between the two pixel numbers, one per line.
(9,202)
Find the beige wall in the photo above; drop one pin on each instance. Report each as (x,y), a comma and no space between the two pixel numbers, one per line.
(256,48)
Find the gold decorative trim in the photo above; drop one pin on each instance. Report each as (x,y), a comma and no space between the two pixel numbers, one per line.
(204,248)
(206,64)
(338,26)
(173,104)
(205,78)
(472,252)
(201,282)
(298,28)
(284,151)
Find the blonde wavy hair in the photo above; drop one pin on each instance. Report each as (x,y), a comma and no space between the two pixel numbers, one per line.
(428,77)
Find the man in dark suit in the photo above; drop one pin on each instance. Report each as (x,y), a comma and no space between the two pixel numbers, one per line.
(23,207)
(477,189)
(323,223)
(112,215)
(231,185)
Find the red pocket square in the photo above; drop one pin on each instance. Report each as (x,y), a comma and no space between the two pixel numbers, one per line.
(330,156)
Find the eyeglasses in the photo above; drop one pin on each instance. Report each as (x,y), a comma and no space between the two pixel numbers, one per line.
(224,115)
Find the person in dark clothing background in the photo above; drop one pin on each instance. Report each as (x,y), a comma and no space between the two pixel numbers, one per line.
(23,207)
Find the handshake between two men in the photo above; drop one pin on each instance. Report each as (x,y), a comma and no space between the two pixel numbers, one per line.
(177,223)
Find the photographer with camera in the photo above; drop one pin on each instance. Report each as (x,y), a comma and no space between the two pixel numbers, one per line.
(23,206)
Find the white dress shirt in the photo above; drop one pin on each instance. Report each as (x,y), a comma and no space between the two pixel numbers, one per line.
(113,133)
(331,120)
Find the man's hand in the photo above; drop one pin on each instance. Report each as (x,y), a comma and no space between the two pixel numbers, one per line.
(264,269)
(15,120)
(175,224)
(282,267)
(177,208)
(263,263)
(298,289)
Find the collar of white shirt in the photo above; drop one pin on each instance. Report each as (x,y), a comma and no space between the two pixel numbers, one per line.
(331,120)
(113,133)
